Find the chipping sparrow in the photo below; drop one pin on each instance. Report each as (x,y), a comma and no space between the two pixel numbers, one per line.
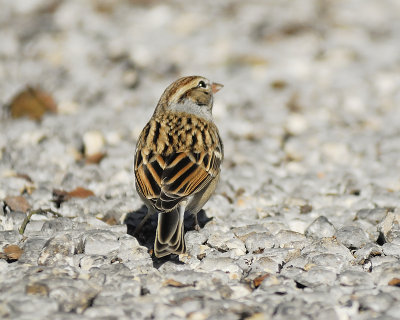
(178,158)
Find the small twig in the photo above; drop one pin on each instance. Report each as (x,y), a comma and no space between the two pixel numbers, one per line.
(31,213)
(54,213)
(26,221)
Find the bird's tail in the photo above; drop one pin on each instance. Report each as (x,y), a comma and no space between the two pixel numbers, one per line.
(170,234)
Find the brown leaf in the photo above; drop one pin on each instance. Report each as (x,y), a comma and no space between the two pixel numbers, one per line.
(60,196)
(394,282)
(109,220)
(28,189)
(12,252)
(174,283)
(305,208)
(80,192)
(38,288)
(95,158)
(201,256)
(17,203)
(279,84)
(24,176)
(257,281)
(293,104)
(32,103)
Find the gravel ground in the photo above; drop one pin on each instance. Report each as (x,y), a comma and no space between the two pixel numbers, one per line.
(305,223)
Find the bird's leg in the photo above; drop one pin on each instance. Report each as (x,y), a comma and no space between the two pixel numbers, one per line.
(140,225)
(196,223)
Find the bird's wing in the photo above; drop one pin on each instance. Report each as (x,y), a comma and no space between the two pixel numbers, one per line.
(166,181)
(167,178)
(185,174)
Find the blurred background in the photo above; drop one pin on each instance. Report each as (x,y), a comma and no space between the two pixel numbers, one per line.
(311,87)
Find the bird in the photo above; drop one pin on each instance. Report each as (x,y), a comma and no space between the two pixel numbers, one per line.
(178,160)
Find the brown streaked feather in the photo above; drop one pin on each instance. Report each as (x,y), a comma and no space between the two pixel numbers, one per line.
(178,158)
(167,175)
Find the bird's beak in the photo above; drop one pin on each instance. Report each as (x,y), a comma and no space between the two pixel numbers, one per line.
(215,87)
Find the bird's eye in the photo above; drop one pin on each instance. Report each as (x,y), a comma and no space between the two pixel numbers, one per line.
(202,84)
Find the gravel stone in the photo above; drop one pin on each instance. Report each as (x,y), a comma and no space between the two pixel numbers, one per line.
(194,241)
(34,227)
(32,250)
(352,237)
(315,277)
(393,310)
(330,261)
(29,305)
(320,228)
(282,255)
(100,242)
(72,294)
(380,260)
(366,252)
(105,312)
(257,242)
(373,216)
(110,296)
(60,224)
(92,261)
(10,236)
(390,227)
(355,278)
(57,249)
(237,246)
(288,238)
(328,245)
(378,303)
(224,264)
(386,272)
(13,220)
(130,250)
(391,249)
(218,240)
(265,265)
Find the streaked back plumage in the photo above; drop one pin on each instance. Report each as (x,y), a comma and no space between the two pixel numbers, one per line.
(178,158)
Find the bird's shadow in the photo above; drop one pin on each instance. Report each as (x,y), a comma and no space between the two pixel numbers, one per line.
(146,235)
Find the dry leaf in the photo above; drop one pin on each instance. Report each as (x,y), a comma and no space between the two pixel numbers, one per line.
(109,220)
(37,288)
(174,283)
(12,252)
(17,203)
(80,192)
(257,281)
(305,208)
(394,282)
(279,84)
(60,196)
(32,103)
(28,189)
(256,316)
(95,158)
(201,256)
(309,266)
(24,176)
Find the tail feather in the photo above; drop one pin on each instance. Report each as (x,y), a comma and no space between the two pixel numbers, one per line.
(170,234)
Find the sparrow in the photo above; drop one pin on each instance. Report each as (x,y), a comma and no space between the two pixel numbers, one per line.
(177,160)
